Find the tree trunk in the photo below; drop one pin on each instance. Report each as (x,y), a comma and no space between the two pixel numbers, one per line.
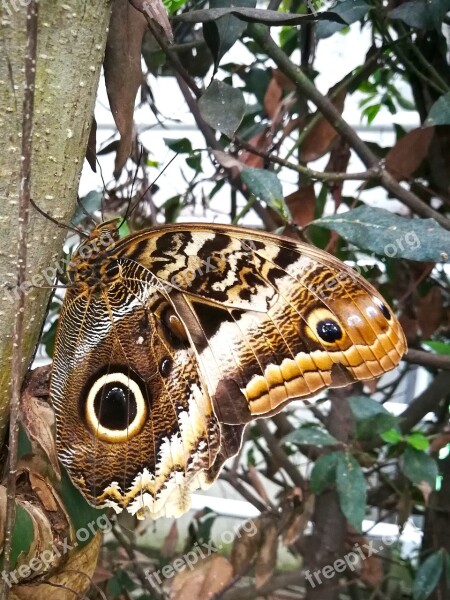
(71,42)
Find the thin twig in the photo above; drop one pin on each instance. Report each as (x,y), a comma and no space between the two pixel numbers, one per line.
(18,332)
(427,359)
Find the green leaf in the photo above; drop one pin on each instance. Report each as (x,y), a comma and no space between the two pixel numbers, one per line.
(388,234)
(417,440)
(428,575)
(22,536)
(420,14)
(181,145)
(440,111)
(311,434)
(222,107)
(371,417)
(351,488)
(349,11)
(220,35)
(266,186)
(255,15)
(419,467)
(49,338)
(195,162)
(91,203)
(438,347)
(447,568)
(323,474)
(392,436)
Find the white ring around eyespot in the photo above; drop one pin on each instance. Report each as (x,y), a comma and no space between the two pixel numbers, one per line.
(115,435)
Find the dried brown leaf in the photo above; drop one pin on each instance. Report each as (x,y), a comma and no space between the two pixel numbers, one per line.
(322,136)
(430,312)
(257,484)
(38,418)
(73,580)
(245,547)
(155,10)
(207,578)
(272,98)
(91,150)
(302,204)
(43,491)
(123,74)
(267,556)
(408,153)
(170,541)
(283,80)
(260,141)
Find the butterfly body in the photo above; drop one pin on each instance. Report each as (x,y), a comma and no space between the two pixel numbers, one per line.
(173,338)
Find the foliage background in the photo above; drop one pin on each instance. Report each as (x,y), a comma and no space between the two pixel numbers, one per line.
(314,475)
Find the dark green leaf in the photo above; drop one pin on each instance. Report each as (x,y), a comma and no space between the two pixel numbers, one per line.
(388,234)
(349,11)
(49,337)
(195,162)
(419,467)
(222,107)
(120,582)
(265,186)
(421,14)
(371,417)
(221,35)
(323,474)
(182,145)
(311,434)
(428,575)
(22,537)
(440,111)
(254,15)
(90,203)
(172,208)
(351,487)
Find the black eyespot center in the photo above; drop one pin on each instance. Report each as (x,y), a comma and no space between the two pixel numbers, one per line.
(165,366)
(115,406)
(385,311)
(329,330)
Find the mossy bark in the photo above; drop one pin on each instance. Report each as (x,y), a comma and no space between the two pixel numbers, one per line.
(71,42)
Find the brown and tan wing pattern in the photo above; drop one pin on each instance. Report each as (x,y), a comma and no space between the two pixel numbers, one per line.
(270,319)
(171,339)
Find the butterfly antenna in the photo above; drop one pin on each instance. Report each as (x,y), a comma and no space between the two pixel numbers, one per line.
(86,212)
(61,225)
(148,188)
(128,212)
(100,170)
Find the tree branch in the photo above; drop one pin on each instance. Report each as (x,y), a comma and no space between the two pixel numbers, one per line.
(305,87)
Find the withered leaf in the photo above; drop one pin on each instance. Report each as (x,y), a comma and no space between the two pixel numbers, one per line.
(155,10)
(302,204)
(430,312)
(38,417)
(322,135)
(272,98)
(267,556)
(123,74)
(408,153)
(91,149)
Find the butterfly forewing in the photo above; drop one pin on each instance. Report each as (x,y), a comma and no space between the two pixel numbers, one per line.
(209,327)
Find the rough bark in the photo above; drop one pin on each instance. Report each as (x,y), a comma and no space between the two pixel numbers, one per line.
(71,42)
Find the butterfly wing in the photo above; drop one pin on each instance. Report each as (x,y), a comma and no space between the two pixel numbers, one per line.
(191,332)
(270,319)
(135,427)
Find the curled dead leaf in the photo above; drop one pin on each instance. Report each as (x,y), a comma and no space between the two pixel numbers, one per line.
(207,578)
(272,98)
(73,580)
(123,74)
(38,418)
(430,312)
(302,204)
(321,137)
(408,153)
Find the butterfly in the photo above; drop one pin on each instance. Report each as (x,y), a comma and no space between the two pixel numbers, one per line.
(172,339)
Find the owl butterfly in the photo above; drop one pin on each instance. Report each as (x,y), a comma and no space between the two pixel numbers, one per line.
(172,339)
